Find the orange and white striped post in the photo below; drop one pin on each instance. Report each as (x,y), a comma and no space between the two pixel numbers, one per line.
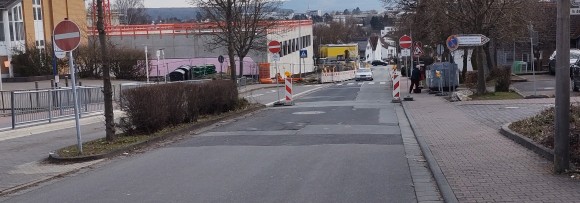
(396,88)
(289,100)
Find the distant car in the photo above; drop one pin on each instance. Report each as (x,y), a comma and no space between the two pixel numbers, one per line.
(379,63)
(574,56)
(364,74)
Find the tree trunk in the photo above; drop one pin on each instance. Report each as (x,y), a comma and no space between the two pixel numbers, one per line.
(241,66)
(107,89)
(232,55)
(481,88)
(488,59)
(465,56)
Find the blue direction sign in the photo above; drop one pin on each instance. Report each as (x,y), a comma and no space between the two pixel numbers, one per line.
(452,42)
(303,54)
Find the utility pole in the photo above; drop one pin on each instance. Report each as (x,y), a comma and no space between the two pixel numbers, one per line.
(147,62)
(562,119)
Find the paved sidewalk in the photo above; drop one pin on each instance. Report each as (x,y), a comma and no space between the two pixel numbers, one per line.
(479,163)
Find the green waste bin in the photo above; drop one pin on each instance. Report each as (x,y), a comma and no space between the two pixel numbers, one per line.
(517,66)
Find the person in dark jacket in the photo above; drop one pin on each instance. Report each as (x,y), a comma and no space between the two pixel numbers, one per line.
(415,78)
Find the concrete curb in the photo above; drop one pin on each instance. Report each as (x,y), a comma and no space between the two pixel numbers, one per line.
(444,187)
(261,88)
(57,159)
(528,143)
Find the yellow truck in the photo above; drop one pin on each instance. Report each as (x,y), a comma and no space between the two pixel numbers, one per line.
(339,52)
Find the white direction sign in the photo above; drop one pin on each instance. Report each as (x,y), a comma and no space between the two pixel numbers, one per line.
(472,40)
(406,52)
(276,57)
(575,7)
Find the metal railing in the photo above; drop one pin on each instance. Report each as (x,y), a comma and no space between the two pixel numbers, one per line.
(37,106)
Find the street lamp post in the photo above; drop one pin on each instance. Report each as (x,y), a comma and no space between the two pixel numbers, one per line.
(147,62)
(166,67)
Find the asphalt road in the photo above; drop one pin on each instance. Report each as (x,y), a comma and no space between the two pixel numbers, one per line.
(339,144)
(545,85)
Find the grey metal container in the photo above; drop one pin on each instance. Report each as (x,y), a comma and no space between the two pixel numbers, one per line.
(449,76)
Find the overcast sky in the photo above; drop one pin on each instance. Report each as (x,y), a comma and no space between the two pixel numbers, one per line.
(297,5)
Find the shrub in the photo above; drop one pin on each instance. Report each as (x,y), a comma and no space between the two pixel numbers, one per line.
(152,108)
(502,78)
(32,61)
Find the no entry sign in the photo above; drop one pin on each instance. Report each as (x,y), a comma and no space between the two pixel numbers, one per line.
(274,47)
(67,35)
(405,42)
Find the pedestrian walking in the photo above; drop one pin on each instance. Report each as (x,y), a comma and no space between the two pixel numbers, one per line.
(415,78)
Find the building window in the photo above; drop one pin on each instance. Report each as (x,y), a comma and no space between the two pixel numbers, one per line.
(16,24)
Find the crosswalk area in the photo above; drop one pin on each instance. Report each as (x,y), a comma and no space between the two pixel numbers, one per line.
(353,83)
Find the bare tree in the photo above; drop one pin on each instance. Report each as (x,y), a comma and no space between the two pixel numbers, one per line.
(107,89)
(242,25)
(133,11)
(502,21)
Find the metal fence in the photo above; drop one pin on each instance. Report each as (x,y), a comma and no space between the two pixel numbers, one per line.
(37,106)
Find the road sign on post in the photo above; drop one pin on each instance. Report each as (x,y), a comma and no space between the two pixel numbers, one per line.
(303,53)
(405,42)
(405,52)
(472,40)
(440,49)
(452,43)
(67,37)
(418,50)
(221,59)
(274,46)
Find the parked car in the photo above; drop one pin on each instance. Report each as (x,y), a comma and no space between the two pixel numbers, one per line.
(379,63)
(574,56)
(364,74)
(575,75)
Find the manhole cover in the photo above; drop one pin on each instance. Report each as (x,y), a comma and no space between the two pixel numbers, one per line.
(308,112)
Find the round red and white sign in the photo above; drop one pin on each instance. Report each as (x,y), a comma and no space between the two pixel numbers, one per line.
(274,47)
(67,35)
(405,42)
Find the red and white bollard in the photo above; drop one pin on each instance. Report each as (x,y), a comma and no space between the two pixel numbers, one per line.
(396,88)
(289,101)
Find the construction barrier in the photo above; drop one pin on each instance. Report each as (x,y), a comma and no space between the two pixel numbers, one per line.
(327,77)
(396,87)
(289,91)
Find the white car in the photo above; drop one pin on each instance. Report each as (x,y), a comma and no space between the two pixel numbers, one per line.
(364,74)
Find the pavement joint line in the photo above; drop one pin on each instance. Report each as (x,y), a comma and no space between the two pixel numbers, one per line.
(271,104)
(444,186)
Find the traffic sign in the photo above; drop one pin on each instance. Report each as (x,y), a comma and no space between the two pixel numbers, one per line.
(67,35)
(303,53)
(274,46)
(418,51)
(276,57)
(221,59)
(472,40)
(406,52)
(418,44)
(405,42)
(440,49)
(452,43)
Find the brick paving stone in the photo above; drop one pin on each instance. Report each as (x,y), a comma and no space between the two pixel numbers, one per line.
(480,164)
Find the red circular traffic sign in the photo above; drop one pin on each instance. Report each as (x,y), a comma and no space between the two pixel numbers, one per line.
(67,35)
(274,47)
(405,42)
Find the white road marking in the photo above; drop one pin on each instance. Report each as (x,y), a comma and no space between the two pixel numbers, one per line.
(383,83)
(256,95)
(361,83)
(350,83)
(296,95)
(371,83)
(339,84)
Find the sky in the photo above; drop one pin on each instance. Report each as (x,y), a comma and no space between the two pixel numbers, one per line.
(297,5)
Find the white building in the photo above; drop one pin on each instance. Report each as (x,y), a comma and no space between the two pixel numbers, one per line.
(314,12)
(294,36)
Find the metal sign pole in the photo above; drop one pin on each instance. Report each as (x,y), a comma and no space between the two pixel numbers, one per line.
(532,62)
(76,104)
(277,82)
(147,62)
